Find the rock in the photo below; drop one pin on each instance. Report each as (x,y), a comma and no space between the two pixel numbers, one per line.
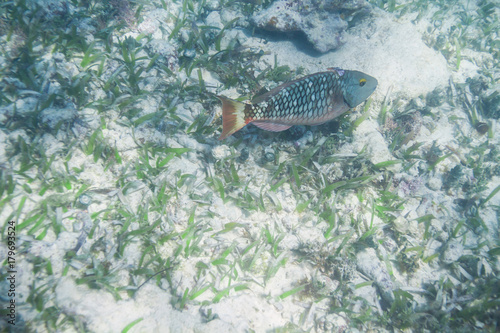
(166,50)
(212,4)
(15,134)
(152,22)
(369,139)
(52,9)
(232,38)
(53,116)
(388,49)
(289,242)
(214,20)
(320,21)
(221,152)
(436,230)
(188,142)
(23,106)
(244,154)
(333,323)
(452,252)
(3,144)
(369,264)
(311,239)
(435,183)
(404,226)
(326,285)
(189,53)
(268,154)
(51,145)
(296,132)
(325,32)
(304,140)
(436,97)
(162,47)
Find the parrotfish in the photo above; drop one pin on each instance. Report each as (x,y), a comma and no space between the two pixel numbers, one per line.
(311,100)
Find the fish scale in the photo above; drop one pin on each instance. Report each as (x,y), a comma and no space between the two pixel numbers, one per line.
(311,100)
(294,102)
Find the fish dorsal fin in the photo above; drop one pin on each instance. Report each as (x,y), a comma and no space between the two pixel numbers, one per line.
(273,127)
(272,92)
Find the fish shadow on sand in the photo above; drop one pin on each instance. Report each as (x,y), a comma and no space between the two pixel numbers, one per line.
(297,38)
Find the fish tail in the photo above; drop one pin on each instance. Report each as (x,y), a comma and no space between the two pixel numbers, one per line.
(233,116)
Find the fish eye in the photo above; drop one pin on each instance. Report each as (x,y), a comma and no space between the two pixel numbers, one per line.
(362,82)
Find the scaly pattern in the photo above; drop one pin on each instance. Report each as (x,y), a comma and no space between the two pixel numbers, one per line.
(311,100)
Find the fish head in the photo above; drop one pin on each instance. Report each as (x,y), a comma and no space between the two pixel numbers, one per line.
(357,87)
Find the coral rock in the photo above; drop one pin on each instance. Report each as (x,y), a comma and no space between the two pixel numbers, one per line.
(452,252)
(369,264)
(53,116)
(320,21)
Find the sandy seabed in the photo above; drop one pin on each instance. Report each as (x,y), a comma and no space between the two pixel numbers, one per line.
(201,239)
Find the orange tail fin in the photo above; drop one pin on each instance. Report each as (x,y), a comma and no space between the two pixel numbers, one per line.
(233,116)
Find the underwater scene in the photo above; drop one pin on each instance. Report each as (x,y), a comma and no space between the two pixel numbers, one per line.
(249,166)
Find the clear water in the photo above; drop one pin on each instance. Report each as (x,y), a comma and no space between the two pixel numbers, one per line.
(121,210)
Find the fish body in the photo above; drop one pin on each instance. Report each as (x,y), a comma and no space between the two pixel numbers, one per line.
(311,100)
